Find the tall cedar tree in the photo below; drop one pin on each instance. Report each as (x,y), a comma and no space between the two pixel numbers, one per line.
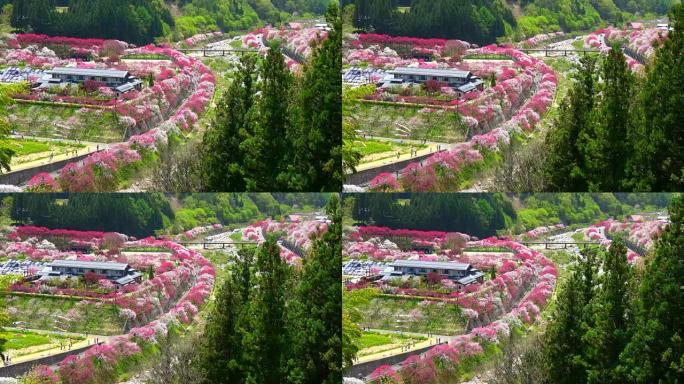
(317,328)
(273,122)
(223,157)
(221,346)
(655,353)
(609,334)
(563,336)
(565,167)
(317,140)
(264,344)
(290,138)
(603,145)
(658,164)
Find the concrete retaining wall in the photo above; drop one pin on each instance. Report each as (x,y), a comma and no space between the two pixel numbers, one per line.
(23,176)
(16,370)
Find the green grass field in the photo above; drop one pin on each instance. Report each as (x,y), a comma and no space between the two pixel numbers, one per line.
(25,342)
(372,339)
(30,147)
(373,147)
(21,340)
(371,342)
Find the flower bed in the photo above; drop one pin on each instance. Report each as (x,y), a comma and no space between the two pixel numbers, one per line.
(182,282)
(381,50)
(379,243)
(517,270)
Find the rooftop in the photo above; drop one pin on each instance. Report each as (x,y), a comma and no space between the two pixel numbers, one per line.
(470,278)
(89,264)
(431,264)
(128,278)
(89,72)
(128,86)
(430,72)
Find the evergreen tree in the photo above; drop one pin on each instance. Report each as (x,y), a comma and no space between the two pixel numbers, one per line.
(221,347)
(289,138)
(20,14)
(273,122)
(42,16)
(658,143)
(603,144)
(264,344)
(565,167)
(655,353)
(222,154)
(563,336)
(317,137)
(317,328)
(243,273)
(609,333)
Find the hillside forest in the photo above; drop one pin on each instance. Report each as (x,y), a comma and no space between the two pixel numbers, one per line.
(485,215)
(489,21)
(147,214)
(144,21)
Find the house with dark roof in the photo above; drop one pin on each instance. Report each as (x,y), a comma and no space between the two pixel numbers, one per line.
(119,81)
(452,270)
(462,81)
(119,273)
(477,277)
(422,75)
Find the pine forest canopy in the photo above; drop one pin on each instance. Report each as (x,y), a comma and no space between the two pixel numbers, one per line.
(485,21)
(141,21)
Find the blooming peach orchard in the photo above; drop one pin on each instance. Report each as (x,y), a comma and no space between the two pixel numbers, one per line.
(299,41)
(182,89)
(637,233)
(183,279)
(525,279)
(524,90)
(298,234)
(642,42)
